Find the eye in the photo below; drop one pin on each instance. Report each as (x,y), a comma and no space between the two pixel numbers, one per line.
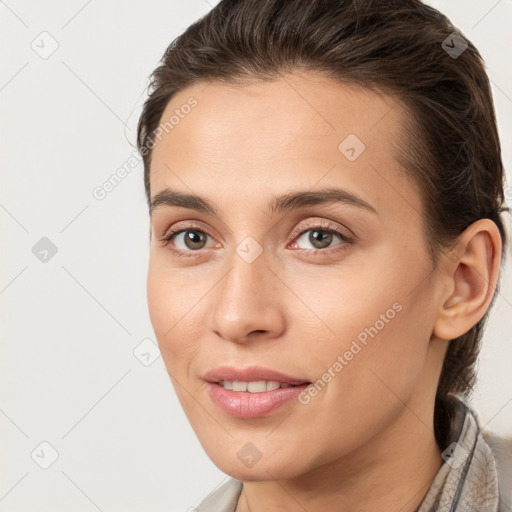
(321,237)
(193,239)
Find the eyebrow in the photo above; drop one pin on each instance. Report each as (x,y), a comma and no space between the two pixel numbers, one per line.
(285,202)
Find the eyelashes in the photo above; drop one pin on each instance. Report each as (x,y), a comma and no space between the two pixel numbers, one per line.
(345,239)
(173,233)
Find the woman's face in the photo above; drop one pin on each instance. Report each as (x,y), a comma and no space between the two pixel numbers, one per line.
(340,293)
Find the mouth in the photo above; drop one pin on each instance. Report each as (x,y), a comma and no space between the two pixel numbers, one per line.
(254,399)
(254,379)
(258,386)
(252,392)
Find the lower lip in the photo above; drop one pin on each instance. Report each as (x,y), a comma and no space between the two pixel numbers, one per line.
(242,404)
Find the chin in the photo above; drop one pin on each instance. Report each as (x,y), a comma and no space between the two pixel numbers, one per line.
(238,464)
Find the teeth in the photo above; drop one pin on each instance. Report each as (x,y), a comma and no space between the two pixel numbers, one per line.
(270,386)
(253,387)
(239,386)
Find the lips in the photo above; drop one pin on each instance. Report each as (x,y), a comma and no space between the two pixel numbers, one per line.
(251,374)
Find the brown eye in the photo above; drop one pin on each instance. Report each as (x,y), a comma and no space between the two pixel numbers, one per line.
(192,239)
(321,238)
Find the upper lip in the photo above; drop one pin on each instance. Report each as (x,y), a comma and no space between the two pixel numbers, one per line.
(249,374)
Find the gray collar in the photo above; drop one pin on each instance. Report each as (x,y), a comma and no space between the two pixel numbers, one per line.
(468,480)
(223,499)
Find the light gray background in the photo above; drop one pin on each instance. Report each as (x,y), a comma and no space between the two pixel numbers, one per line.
(68,373)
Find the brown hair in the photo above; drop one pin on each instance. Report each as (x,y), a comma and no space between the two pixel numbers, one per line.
(403,47)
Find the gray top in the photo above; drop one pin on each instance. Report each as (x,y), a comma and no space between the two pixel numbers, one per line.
(466,482)
(224,499)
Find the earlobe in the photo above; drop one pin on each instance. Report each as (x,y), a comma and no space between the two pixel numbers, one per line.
(470,278)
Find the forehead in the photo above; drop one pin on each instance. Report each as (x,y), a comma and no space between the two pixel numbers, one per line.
(303,129)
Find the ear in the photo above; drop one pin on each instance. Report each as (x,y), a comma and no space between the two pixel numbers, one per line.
(470,274)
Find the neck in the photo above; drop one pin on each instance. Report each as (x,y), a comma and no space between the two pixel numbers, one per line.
(391,472)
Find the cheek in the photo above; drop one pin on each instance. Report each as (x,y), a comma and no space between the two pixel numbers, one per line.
(171,306)
(157,287)
(388,369)
(376,325)
(171,311)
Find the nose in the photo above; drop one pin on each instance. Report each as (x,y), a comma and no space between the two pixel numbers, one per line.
(247,303)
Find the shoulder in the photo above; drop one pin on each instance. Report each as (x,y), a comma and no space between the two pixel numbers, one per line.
(501,447)
(223,499)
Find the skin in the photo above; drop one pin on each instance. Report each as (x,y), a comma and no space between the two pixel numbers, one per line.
(366,441)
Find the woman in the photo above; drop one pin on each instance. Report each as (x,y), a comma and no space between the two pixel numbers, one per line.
(325,186)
